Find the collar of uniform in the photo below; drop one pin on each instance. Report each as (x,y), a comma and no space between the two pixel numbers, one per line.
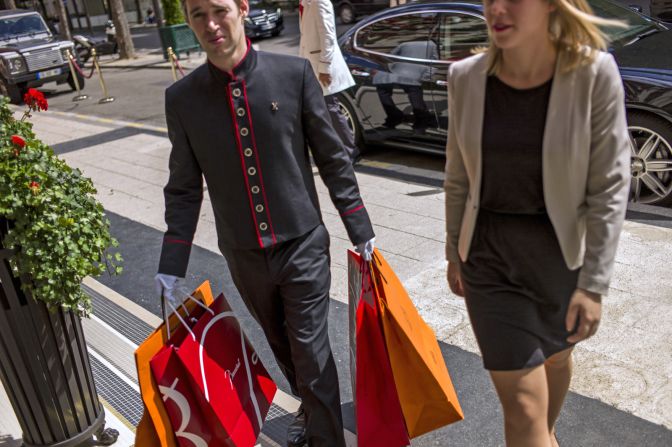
(240,70)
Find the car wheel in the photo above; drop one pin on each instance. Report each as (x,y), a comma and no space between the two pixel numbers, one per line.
(71,81)
(346,14)
(12,91)
(348,111)
(651,166)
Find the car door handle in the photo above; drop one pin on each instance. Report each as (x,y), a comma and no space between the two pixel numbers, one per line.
(360,73)
(441,83)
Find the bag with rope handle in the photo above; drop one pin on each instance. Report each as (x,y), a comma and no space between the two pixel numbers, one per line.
(155,429)
(189,424)
(232,386)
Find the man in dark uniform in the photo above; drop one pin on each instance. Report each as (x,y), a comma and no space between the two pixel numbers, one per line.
(245,121)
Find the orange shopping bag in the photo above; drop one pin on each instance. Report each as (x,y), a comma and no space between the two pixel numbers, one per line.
(155,429)
(428,399)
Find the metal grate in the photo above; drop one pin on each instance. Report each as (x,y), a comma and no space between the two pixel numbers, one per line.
(42,59)
(275,427)
(133,328)
(117,393)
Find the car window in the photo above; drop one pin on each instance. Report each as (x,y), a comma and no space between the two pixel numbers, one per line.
(637,24)
(458,34)
(23,25)
(405,36)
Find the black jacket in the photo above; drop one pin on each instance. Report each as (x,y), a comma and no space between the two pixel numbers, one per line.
(249,133)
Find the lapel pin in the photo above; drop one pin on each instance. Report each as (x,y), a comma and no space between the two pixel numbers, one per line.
(274,106)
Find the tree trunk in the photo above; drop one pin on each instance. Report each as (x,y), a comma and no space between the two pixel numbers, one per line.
(124,40)
(9,4)
(158,13)
(63,24)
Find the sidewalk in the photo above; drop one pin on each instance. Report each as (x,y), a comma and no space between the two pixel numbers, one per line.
(621,393)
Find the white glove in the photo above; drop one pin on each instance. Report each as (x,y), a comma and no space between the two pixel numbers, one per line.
(167,285)
(365,249)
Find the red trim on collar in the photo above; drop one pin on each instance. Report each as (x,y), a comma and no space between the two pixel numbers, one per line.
(242,165)
(256,152)
(232,73)
(247,51)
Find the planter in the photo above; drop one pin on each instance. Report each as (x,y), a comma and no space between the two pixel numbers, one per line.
(179,37)
(44,367)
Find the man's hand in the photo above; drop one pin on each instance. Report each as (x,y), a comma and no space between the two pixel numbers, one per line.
(365,249)
(166,285)
(325,79)
(585,310)
(455,278)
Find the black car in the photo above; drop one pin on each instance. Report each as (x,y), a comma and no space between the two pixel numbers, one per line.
(400,57)
(662,9)
(263,20)
(349,10)
(30,55)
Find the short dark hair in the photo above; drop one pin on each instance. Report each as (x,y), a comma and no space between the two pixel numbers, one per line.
(186,14)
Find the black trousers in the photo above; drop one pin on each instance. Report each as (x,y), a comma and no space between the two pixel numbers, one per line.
(286,289)
(421,116)
(340,124)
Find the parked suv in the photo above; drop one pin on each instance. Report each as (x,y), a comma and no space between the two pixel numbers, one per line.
(30,55)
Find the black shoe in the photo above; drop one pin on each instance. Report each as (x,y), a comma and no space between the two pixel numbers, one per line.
(296,432)
(391,123)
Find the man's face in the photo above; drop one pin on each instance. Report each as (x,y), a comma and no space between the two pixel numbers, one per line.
(218,26)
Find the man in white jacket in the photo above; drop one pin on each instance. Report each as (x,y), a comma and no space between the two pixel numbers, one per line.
(320,46)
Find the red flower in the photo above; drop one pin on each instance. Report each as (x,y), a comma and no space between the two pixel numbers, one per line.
(35,100)
(34,187)
(18,141)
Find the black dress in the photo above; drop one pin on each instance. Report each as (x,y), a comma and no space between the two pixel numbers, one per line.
(516,282)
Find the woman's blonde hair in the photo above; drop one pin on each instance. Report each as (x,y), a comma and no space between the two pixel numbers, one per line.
(575,31)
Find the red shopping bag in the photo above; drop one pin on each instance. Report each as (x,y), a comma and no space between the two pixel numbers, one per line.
(227,376)
(155,428)
(190,425)
(184,410)
(380,421)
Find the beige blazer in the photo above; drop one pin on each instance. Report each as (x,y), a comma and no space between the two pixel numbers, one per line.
(586,163)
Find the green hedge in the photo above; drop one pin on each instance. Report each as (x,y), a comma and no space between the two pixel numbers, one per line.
(172,12)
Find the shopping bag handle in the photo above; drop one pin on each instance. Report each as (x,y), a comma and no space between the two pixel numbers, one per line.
(375,275)
(368,286)
(175,311)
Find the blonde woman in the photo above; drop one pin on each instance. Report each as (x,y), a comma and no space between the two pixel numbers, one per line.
(537,178)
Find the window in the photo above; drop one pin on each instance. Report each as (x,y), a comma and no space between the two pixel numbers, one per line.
(459,34)
(21,26)
(405,36)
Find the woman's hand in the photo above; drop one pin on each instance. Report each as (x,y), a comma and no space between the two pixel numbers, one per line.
(455,278)
(585,310)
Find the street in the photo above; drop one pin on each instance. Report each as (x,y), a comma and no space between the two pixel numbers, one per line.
(139,93)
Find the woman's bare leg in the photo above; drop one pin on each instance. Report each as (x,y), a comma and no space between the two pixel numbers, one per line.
(524,398)
(559,375)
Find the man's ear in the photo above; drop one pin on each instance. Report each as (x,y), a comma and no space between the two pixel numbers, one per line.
(244,8)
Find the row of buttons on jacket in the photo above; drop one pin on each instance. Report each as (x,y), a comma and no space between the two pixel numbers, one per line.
(257,200)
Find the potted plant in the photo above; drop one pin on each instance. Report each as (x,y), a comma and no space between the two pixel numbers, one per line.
(53,233)
(175,32)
